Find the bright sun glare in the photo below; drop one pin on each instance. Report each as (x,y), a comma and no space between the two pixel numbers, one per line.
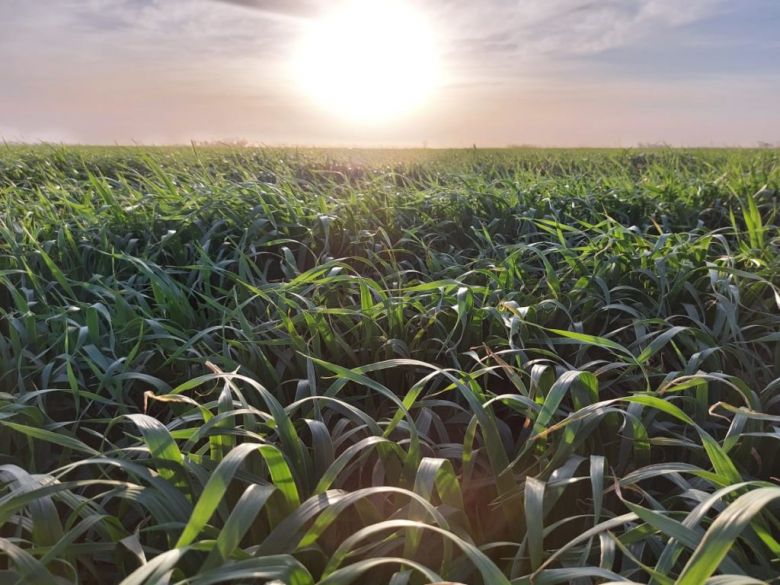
(370,61)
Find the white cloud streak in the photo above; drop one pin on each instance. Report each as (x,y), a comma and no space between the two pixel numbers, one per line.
(506,35)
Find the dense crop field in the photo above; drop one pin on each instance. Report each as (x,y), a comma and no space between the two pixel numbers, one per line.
(484,367)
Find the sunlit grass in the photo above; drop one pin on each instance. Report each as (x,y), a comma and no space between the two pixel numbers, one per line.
(395,367)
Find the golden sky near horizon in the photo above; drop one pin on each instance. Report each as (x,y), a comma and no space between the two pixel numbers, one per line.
(391,72)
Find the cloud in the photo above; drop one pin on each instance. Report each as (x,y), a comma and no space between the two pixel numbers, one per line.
(283,8)
(523,31)
(156,27)
(494,29)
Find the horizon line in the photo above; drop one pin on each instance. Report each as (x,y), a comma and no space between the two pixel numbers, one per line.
(759,145)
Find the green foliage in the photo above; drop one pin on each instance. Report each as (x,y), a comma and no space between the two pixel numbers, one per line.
(520,366)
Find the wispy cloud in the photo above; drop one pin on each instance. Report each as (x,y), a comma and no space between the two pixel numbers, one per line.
(163,28)
(501,34)
(491,30)
(280,8)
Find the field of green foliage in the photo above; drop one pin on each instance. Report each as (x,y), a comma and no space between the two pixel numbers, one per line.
(485,367)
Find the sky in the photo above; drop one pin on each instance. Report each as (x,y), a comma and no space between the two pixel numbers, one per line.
(508,72)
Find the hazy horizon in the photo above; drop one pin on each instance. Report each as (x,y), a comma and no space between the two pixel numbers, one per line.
(563,73)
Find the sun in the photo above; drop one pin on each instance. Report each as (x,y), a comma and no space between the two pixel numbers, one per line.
(370,61)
